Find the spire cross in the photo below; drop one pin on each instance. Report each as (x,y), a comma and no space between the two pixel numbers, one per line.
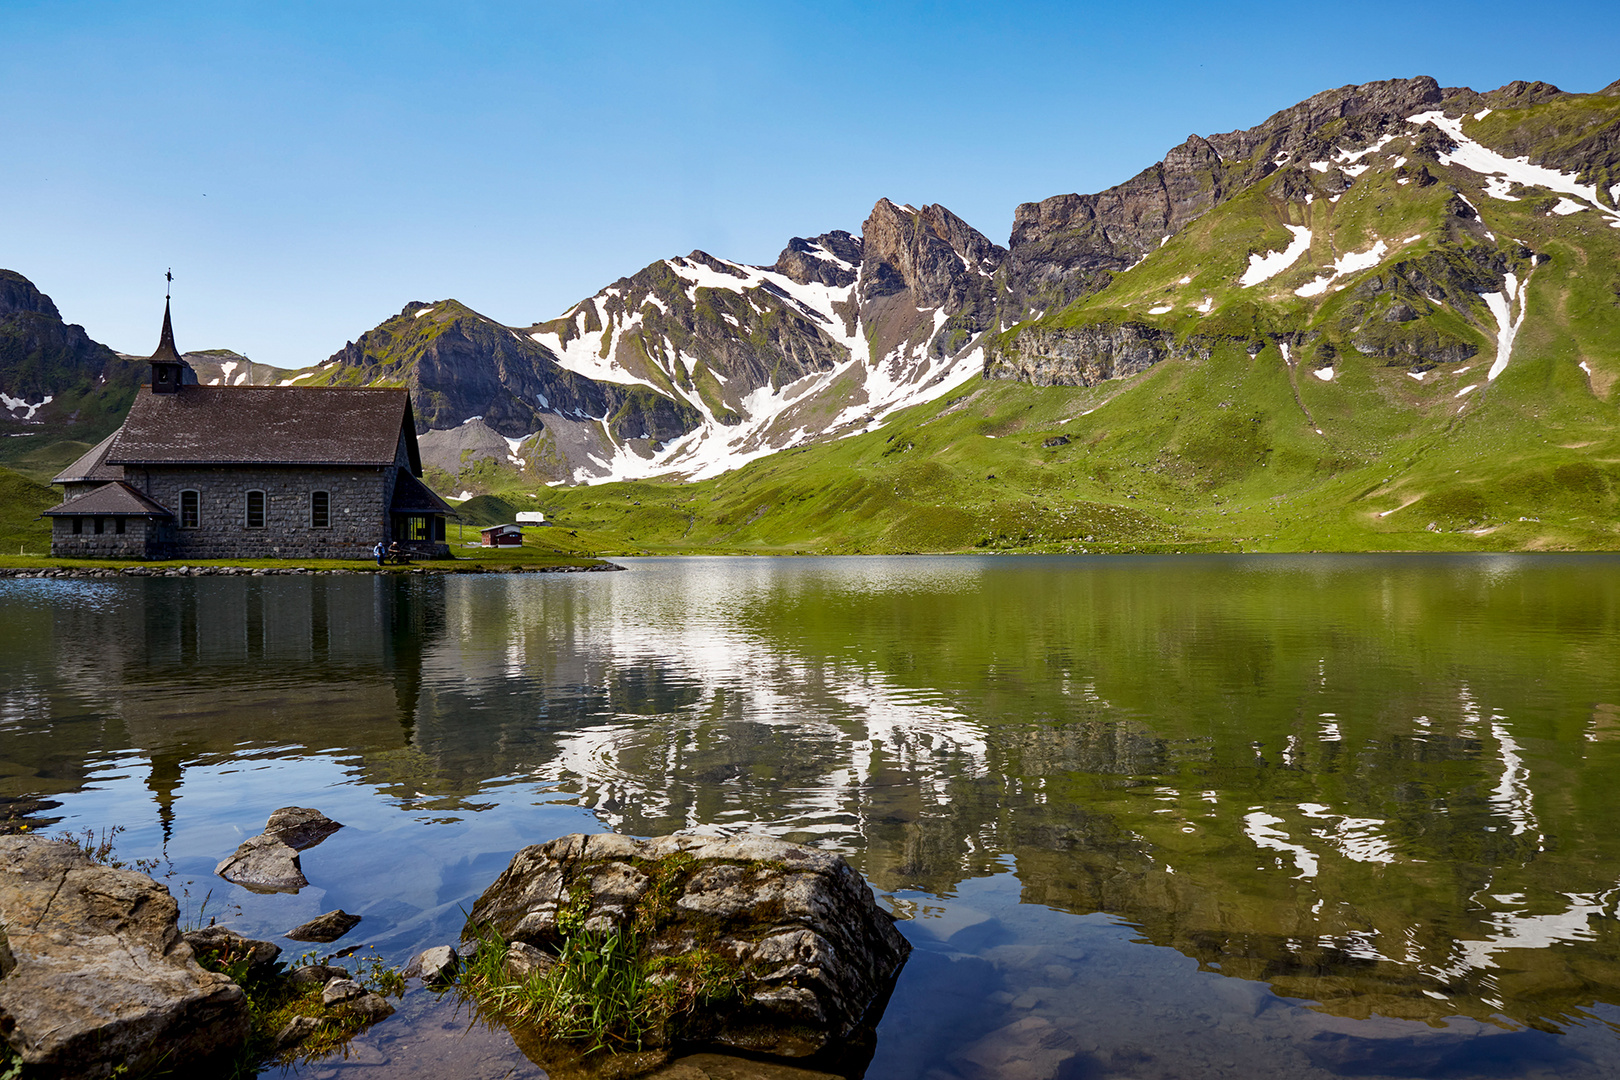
(168,277)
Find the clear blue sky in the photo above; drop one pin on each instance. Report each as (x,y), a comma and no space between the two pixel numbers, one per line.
(309,168)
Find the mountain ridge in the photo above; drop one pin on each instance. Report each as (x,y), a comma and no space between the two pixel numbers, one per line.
(1348,263)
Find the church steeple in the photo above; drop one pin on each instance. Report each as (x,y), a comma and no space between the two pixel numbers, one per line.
(169,368)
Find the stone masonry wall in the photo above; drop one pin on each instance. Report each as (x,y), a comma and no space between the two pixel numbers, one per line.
(359,510)
(133,544)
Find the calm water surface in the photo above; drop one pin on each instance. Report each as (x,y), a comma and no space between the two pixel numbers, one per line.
(1143,817)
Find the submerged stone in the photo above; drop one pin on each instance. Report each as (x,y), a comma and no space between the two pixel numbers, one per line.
(325,928)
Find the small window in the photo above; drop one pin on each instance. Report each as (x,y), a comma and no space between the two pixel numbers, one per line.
(78,526)
(438,529)
(190,509)
(118,526)
(320,509)
(255,509)
(101,526)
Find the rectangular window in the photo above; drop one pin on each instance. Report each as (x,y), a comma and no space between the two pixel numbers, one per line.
(438,528)
(413,527)
(100,526)
(78,526)
(118,526)
(190,509)
(320,510)
(255,509)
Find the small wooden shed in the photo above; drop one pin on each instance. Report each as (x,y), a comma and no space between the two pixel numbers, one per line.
(502,536)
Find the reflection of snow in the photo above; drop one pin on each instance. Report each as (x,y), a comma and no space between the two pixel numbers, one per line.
(1512,794)
(1260,827)
(848,722)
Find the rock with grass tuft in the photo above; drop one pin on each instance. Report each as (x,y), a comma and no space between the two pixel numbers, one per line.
(778,949)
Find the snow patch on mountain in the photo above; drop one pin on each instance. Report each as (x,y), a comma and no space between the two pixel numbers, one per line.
(1501,171)
(1507,327)
(12,404)
(1263,267)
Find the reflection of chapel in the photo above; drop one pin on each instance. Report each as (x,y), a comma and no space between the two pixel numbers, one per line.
(220,472)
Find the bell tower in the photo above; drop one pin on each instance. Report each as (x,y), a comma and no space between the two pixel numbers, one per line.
(169,368)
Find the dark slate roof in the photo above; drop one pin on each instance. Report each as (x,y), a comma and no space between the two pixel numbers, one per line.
(92,466)
(411,496)
(266,425)
(114,498)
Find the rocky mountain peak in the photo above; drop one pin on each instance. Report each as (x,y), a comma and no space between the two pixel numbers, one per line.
(931,251)
(1519,93)
(19,295)
(830,259)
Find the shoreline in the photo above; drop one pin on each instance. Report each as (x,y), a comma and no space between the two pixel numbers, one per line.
(269,571)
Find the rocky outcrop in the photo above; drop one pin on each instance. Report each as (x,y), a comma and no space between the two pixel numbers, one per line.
(941,259)
(269,862)
(1086,355)
(831,259)
(300,827)
(1069,246)
(103,980)
(814,953)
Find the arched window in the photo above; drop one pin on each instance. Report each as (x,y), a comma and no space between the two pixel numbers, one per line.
(320,509)
(255,509)
(190,509)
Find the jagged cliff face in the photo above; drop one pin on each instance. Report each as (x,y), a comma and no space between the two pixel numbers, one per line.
(54,380)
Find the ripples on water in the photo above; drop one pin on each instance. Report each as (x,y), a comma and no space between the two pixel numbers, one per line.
(1268,816)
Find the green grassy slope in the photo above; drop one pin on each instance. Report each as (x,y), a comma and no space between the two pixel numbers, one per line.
(22,530)
(1212,455)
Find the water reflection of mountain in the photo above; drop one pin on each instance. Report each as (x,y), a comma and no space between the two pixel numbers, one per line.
(1363,792)
(1385,785)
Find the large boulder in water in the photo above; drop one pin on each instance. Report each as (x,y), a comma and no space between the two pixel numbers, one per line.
(101,978)
(815,955)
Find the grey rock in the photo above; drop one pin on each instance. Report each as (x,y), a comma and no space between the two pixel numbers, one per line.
(338,991)
(7,961)
(324,928)
(103,980)
(264,864)
(370,1007)
(230,946)
(299,827)
(816,953)
(1088,355)
(524,960)
(1029,1049)
(296,1031)
(319,974)
(437,964)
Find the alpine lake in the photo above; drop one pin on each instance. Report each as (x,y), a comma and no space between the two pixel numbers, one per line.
(1162,817)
